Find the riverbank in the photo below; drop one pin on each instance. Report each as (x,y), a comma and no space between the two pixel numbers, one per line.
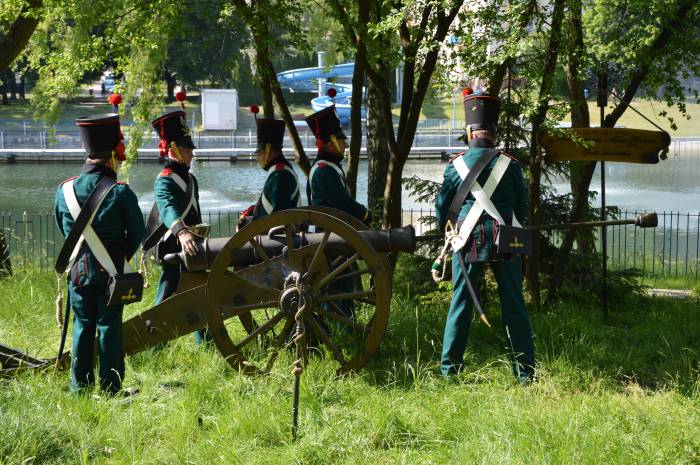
(622,391)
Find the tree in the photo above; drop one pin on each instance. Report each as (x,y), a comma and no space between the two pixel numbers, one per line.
(671,39)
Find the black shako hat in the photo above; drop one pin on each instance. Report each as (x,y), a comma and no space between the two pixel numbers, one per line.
(172,127)
(325,123)
(100,134)
(481,111)
(270,131)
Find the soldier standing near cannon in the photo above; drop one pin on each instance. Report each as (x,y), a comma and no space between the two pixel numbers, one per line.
(508,202)
(326,186)
(176,208)
(118,225)
(281,189)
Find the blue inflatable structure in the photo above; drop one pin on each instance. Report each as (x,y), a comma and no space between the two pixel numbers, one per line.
(306,80)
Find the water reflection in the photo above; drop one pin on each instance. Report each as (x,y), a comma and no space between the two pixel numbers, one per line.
(670,185)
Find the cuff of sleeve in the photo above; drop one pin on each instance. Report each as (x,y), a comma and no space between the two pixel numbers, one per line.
(177,226)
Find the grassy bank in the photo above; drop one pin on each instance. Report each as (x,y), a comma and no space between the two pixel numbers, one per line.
(622,391)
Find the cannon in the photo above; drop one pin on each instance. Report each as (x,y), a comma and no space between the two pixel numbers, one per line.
(279,274)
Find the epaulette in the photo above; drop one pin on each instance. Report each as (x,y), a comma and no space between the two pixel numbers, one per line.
(122,183)
(69,179)
(511,156)
(166,172)
(320,164)
(455,156)
(279,166)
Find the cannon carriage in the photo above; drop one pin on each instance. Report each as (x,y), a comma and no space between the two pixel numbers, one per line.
(274,283)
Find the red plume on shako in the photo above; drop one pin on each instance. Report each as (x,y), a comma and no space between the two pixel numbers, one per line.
(254,109)
(332,92)
(467,91)
(180,97)
(115,100)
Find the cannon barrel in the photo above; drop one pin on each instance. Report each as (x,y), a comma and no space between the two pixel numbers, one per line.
(390,240)
(645,220)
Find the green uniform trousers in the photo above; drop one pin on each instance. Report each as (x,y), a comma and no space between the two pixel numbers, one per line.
(90,315)
(515,317)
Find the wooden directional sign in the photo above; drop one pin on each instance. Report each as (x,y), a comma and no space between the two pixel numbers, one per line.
(606,144)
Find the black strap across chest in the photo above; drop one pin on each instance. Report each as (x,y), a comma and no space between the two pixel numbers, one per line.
(467,184)
(80,223)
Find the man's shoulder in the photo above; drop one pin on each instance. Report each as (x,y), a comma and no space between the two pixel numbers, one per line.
(72,178)
(511,156)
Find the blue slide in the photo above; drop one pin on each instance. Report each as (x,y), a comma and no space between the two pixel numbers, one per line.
(305,80)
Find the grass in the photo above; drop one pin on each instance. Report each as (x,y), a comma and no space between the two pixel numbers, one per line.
(621,391)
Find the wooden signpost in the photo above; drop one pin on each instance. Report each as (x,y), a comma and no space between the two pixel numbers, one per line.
(606,144)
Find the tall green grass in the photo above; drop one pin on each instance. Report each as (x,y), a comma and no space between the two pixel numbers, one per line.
(621,391)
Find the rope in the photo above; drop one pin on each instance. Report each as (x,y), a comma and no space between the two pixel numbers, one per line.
(59,299)
(298,366)
(143,271)
(439,267)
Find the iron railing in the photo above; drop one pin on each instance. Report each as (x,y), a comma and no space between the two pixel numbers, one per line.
(684,147)
(672,249)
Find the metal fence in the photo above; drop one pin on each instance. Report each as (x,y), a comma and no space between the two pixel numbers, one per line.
(672,249)
(45,140)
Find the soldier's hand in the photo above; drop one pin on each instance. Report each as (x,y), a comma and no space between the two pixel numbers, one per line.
(188,242)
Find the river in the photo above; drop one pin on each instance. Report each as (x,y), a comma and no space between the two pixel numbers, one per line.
(672,185)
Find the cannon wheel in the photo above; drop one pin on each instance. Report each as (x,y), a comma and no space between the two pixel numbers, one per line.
(269,290)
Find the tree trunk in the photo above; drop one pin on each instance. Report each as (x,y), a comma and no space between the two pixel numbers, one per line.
(377,149)
(358,78)
(18,34)
(534,194)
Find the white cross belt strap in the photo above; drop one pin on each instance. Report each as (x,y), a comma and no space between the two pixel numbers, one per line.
(266,204)
(332,165)
(89,235)
(190,202)
(482,198)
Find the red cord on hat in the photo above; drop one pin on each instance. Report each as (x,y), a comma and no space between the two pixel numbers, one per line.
(163,145)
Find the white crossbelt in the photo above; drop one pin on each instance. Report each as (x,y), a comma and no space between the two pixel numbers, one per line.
(482,198)
(267,205)
(191,203)
(332,165)
(89,235)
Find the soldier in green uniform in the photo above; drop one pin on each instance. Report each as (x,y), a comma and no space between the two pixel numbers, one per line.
(176,193)
(281,189)
(118,223)
(327,179)
(327,186)
(509,198)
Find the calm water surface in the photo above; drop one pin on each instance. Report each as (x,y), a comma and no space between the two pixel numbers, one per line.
(671,185)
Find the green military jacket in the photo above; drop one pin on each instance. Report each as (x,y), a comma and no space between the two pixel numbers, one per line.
(118,223)
(327,187)
(170,195)
(510,197)
(281,189)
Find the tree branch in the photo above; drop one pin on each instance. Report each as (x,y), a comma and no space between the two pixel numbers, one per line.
(19,33)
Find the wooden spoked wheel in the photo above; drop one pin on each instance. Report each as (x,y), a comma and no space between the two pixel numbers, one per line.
(251,310)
